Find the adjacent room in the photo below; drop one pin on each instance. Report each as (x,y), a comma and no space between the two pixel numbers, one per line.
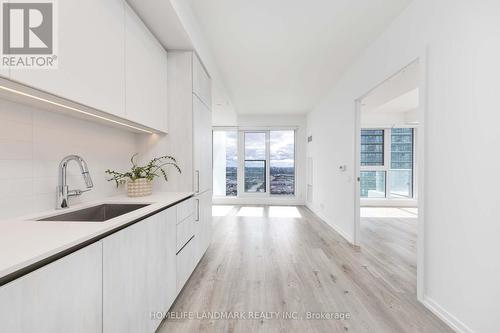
(389,119)
(249,166)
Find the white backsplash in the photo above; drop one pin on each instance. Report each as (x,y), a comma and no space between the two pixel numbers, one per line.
(32,143)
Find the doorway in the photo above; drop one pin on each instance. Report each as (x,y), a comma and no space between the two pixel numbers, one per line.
(389,169)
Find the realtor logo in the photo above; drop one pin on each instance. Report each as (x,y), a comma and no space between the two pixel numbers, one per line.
(28,34)
(27,28)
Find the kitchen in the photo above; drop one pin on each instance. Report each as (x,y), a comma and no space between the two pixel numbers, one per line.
(100,256)
(249,166)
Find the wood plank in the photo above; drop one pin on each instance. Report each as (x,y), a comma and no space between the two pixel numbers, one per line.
(301,264)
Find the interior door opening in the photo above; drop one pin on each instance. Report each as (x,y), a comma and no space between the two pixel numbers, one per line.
(389,122)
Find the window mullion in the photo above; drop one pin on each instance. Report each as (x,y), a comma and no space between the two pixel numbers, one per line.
(387,161)
(241,164)
(268,163)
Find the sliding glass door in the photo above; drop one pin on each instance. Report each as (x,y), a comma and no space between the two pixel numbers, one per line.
(269,162)
(255,162)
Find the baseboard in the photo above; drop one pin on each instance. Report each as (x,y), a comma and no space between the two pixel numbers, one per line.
(445,316)
(338,230)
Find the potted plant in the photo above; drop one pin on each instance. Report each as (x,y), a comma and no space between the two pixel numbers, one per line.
(140,178)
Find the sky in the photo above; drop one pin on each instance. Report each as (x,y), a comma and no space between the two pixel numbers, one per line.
(232,149)
(281,144)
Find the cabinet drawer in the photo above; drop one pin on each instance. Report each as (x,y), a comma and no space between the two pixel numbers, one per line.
(185,230)
(185,264)
(185,209)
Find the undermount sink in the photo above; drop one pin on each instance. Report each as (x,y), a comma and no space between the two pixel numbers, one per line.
(98,213)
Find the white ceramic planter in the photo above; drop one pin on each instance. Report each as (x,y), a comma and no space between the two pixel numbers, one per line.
(139,188)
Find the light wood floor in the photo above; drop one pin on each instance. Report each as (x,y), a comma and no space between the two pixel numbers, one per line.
(265,261)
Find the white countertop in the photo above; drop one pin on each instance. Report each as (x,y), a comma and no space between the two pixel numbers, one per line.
(25,241)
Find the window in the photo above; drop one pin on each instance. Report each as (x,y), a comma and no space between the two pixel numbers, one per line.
(372,147)
(282,162)
(255,162)
(373,184)
(225,162)
(392,178)
(401,180)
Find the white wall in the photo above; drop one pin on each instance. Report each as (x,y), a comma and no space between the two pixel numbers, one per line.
(33,142)
(219,163)
(388,119)
(221,97)
(462,269)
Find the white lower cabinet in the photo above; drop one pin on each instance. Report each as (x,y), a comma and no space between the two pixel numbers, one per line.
(186,262)
(63,296)
(190,254)
(185,231)
(116,285)
(139,274)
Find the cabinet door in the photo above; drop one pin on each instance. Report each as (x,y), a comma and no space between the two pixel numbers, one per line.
(4,72)
(167,259)
(64,296)
(91,56)
(201,82)
(206,213)
(202,149)
(145,74)
(139,276)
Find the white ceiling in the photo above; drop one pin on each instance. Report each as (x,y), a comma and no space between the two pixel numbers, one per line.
(282,56)
(162,19)
(404,103)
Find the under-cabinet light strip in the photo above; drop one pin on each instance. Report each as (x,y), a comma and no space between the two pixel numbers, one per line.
(73,109)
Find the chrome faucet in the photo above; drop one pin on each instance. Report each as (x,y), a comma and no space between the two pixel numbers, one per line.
(63,191)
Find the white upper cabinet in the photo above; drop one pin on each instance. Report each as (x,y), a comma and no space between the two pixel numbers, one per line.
(91,56)
(108,60)
(145,74)
(4,72)
(201,82)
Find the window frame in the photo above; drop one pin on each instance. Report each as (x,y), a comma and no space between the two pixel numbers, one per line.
(387,164)
(241,162)
(266,164)
(242,158)
(384,147)
(413,171)
(228,129)
(294,163)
